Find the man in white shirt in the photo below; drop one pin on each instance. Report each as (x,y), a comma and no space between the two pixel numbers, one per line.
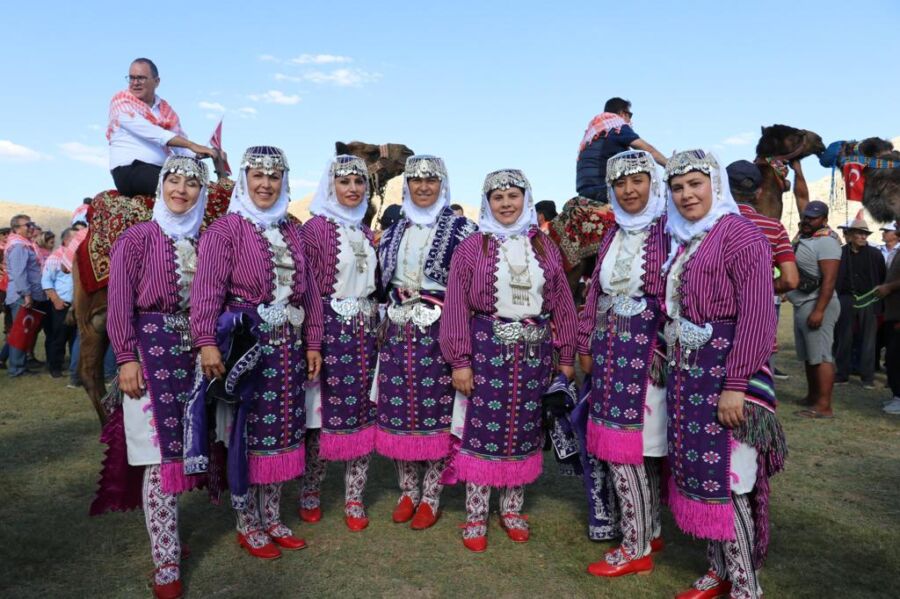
(143,130)
(890,236)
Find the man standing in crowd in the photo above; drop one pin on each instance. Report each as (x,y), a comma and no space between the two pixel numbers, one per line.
(890,292)
(861,271)
(57,283)
(745,179)
(546,211)
(24,288)
(144,129)
(607,134)
(816,306)
(889,237)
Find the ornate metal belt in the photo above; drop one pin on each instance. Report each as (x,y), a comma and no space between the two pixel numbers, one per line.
(623,306)
(180,323)
(420,314)
(512,333)
(356,311)
(279,317)
(689,337)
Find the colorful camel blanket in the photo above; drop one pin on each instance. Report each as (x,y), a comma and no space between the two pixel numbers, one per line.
(578,229)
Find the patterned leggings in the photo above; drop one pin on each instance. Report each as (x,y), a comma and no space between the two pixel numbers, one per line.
(161,516)
(408,476)
(477,504)
(355,477)
(733,560)
(637,487)
(261,518)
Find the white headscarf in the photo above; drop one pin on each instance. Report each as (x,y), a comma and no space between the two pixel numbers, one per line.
(421,167)
(187,224)
(627,163)
(269,159)
(723,203)
(504,179)
(325,202)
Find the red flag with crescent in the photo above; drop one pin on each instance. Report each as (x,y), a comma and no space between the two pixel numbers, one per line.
(24,332)
(854,181)
(216,142)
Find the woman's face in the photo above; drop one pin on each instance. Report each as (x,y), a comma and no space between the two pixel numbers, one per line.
(692,194)
(633,192)
(507,204)
(424,192)
(180,193)
(264,190)
(350,190)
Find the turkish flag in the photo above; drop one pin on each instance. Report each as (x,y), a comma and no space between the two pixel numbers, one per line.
(25,329)
(216,142)
(854,181)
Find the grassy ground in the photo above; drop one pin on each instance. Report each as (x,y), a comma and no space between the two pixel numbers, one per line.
(835,512)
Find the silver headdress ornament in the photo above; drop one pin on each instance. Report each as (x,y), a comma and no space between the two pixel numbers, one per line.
(346,165)
(629,163)
(266,158)
(691,160)
(186,166)
(504,179)
(425,166)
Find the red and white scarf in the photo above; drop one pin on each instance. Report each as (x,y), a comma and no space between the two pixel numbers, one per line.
(126,103)
(15,239)
(600,125)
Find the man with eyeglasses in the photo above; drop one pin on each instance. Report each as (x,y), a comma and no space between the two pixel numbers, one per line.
(24,288)
(607,134)
(143,130)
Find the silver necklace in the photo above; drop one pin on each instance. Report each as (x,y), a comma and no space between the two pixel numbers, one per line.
(358,247)
(519,276)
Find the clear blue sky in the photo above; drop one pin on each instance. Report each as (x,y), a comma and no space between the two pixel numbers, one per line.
(485,84)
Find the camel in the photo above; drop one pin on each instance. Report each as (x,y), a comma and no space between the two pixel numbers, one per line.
(778,146)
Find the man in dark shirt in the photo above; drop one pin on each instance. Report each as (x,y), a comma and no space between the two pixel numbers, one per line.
(890,292)
(607,134)
(862,270)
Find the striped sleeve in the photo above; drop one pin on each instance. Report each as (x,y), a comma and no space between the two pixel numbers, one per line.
(455,335)
(562,308)
(215,263)
(587,320)
(124,276)
(314,324)
(782,250)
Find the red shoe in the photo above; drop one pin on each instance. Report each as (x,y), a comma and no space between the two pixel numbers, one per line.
(425,517)
(353,523)
(289,542)
(267,551)
(404,510)
(475,544)
(170,590)
(722,589)
(516,535)
(312,515)
(657,545)
(642,565)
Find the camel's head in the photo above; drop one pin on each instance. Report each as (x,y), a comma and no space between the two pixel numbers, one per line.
(385,161)
(784,141)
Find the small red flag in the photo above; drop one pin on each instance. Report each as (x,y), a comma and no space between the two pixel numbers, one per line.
(24,332)
(216,142)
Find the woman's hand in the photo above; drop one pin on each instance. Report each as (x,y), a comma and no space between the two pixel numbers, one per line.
(567,370)
(211,362)
(731,408)
(131,379)
(313,364)
(587,362)
(462,381)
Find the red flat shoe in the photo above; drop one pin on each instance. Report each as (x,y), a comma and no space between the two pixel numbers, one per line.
(267,551)
(170,590)
(289,542)
(404,510)
(425,517)
(516,535)
(722,589)
(642,566)
(475,544)
(312,515)
(353,523)
(657,545)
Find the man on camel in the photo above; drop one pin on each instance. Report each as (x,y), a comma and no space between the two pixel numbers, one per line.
(143,130)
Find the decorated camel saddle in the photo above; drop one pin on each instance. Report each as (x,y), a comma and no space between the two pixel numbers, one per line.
(578,229)
(871,172)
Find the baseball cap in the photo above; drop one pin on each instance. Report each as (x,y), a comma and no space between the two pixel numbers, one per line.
(744,176)
(816,209)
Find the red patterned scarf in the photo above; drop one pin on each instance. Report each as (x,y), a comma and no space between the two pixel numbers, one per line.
(600,125)
(126,103)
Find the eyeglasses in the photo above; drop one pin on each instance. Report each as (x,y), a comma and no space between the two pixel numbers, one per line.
(629,114)
(29,225)
(137,78)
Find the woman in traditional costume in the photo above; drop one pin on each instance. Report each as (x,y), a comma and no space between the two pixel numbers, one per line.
(252,267)
(340,413)
(506,287)
(415,391)
(153,264)
(724,439)
(618,346)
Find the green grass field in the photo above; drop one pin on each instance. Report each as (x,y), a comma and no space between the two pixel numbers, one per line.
(835,513)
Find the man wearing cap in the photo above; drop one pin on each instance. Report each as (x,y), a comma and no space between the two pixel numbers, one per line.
(816,306)
(889,291)
(889,236)
(861,271)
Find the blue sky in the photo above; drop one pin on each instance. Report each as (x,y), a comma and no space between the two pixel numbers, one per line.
(485,84)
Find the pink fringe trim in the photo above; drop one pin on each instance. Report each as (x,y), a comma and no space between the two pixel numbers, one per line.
(498,473)
(615,445)
(175,481)
(335,447)
(276,468)
(412,447)
(713,521)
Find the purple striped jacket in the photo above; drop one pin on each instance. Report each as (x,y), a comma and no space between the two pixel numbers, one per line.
(142,278)
(471,289)
(654,284)
(234,261)
(729,277)
(321,238)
